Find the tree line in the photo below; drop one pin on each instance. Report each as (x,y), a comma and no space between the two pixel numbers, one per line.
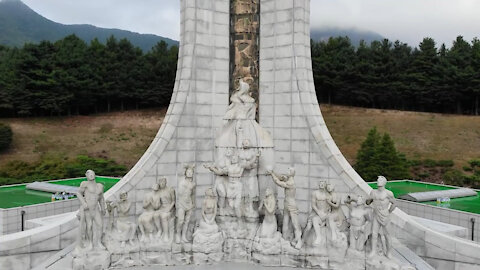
(394,75)
(72,77)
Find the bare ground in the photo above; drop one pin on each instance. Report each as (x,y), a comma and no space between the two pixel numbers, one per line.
(418,135)
(125,136)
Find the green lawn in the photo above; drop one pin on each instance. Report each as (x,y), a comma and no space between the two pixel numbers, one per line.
(16,196)
(467,204)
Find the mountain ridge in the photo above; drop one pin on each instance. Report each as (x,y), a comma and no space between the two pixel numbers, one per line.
(356,35)
(20,24)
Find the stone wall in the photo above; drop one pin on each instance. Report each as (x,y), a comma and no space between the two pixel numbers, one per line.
(445,215)
(11,218)
(288,103)
(199,101)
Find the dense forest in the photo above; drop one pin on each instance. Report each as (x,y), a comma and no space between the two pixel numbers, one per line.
(72,77)
(390,75)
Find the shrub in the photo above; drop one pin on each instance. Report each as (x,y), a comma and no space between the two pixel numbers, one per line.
(454,177)
(474,163)
(445,163)
(6,136)
(429,163)
(57,167)
(100,166)
(378,156)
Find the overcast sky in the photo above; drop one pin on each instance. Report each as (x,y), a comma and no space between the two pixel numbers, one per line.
(406,20)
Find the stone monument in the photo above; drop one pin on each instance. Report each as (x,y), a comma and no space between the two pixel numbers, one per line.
(89,250)
(244,103)
(238,126)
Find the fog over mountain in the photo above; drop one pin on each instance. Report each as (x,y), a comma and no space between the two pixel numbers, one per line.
(355,35)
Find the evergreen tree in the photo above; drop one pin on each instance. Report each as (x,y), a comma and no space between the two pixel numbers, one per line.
(160,68)
(423,76)
(332,64)
(97,70)
(378,156)
(72,76)
(460,73)
(37,94)
(6,136)
(368,165)
(475,81)
(393,164)
(363,76)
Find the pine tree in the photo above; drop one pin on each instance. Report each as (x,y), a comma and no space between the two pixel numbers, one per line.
(393,165)
(6,135)
(460,73)
(367,157)
(475,82)
(378,156)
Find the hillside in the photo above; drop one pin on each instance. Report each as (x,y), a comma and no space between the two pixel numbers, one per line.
(20,24)
(125,136)
(355,35)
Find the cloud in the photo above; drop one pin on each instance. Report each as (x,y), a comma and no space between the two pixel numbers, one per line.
(407,20)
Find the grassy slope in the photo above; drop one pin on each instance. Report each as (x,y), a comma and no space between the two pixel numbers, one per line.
(418,135)
(125,136)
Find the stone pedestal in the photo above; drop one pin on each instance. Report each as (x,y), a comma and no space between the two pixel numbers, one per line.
(156,253)
(208,249)
(290,256)
(355,260)
(126,255)
(337,250)
(266,250)
(94,259)
(379,262)
(182,253)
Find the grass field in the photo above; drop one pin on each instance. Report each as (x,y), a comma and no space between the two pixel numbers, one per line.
(418,135)
(124,137)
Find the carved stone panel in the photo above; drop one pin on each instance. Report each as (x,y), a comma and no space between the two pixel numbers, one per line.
(244,39)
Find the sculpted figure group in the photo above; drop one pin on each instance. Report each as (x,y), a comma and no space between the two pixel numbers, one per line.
(239,218)
(327,226)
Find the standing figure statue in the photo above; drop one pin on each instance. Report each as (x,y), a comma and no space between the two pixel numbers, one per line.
(186,203)
(290,210)
(146,221)
(319,214)
(123,229)
(164,217)
(92,210)
(359,218)
(336,218)
(234,186)
(382,202)
(249,160)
